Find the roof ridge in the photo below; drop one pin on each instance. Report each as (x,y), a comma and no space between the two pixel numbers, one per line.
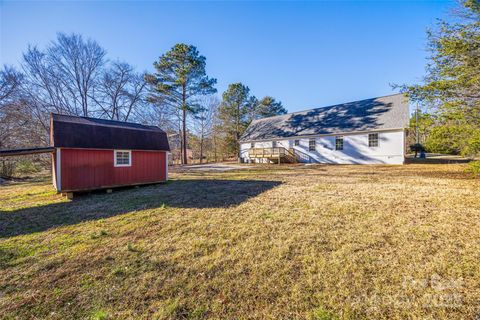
(120,123)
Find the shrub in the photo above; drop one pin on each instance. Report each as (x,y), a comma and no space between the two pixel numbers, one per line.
(450,139)
(7,169)
(26,167)
(446,139)
(473,145)
(474,168)
(12,168)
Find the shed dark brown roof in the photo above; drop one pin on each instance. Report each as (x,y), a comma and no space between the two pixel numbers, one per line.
(83,132)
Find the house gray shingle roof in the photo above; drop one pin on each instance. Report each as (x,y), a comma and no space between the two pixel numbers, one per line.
(382,113)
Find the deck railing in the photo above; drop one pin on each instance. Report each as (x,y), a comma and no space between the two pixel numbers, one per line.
(273,153)
(267,152)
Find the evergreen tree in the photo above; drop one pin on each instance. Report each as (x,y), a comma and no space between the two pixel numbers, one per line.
(269,107)
(452,84)
(420,130)
(235,114)
(179,79)
(238,109)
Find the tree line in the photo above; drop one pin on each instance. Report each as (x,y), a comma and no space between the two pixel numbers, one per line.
(73,76)
(447,102)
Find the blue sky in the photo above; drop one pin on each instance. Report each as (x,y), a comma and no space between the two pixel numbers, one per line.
(306,54)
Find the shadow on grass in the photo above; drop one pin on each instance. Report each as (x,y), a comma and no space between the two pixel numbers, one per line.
(176,194)
(438,160)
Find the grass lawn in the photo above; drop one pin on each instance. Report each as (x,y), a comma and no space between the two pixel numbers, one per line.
(315,242)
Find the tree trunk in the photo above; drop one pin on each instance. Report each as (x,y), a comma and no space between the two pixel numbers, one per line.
(237,132)
(201,149)
(184,136)
(215,147)
(184,125)
(180,158)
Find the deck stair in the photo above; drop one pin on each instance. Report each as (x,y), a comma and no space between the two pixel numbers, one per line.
(275,155)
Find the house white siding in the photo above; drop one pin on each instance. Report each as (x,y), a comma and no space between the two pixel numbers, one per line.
(356,150)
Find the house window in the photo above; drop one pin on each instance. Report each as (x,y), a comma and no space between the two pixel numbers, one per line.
(252,145)
(311,145)
(339,143)
(274,144)
(296,143)
(123,158)
(373,140)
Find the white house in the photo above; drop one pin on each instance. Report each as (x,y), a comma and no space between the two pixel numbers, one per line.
(369,131)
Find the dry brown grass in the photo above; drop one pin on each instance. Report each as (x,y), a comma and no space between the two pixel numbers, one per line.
(318,242)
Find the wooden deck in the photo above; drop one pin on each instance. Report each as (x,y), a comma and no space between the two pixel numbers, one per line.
(278,154)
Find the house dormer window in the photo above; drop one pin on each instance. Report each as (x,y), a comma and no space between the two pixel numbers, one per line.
(123,158)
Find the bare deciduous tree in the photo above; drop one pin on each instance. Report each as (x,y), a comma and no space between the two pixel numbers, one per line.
(63,77)
(72,76)
(10,82)
(77,63)
(122,92)
(17,126)
(203,122)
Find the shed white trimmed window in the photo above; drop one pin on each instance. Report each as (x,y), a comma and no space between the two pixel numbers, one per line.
(311,145)
(373,140)
(123,158)
(339,143)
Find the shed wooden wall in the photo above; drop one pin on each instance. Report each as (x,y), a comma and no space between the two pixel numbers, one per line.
(84,169)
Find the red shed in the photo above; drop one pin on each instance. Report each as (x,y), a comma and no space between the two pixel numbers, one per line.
(96,153)
(90,153)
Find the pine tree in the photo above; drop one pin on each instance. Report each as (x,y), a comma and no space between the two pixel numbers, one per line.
(238,109)
(269,107)
(234,114)
(179,79)
(452,84)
